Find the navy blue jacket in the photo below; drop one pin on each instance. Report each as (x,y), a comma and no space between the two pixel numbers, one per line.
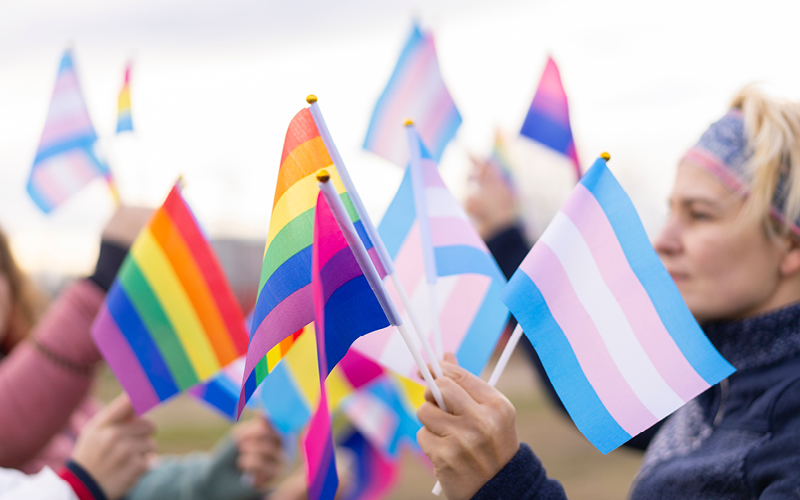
(738,440)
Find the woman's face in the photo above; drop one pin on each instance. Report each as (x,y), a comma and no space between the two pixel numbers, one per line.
(725,267)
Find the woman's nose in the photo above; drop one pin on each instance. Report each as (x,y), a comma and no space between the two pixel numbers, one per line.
(668,241)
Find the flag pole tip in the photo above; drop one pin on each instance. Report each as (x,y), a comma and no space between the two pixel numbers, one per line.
(311,99)
(323,176)
(409,122)
(605,156)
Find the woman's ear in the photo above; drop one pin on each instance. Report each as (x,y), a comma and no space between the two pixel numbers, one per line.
(790,264)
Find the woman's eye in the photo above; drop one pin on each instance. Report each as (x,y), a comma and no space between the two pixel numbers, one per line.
(695,215)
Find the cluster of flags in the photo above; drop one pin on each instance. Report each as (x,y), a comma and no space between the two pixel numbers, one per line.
(328,332)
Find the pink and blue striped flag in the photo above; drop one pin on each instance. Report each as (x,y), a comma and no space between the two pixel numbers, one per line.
(610,326)
(469,281)
(345,307)
(547,122)
(65,159)
(416,91)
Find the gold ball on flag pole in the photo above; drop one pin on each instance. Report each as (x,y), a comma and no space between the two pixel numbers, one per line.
(605,156)
(311,99)
(323,176)
(409,122)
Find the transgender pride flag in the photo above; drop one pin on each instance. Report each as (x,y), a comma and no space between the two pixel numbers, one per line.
(468,281)
(415,91)
(547,122)
(65,160)
(613,333)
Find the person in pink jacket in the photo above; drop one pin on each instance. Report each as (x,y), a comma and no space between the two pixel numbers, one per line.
(47,367)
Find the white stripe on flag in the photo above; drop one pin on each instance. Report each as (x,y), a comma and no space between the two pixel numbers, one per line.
(441,203)
(572,251)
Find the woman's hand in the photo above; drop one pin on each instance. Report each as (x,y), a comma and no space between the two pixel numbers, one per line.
(469,446)
(261,455)
(115,446)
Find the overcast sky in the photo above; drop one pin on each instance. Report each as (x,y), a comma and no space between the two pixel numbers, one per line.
(215,85)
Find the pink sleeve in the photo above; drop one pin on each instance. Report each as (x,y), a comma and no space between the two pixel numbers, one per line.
(38,396)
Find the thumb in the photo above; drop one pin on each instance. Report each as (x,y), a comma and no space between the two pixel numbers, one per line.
(118,410)
(479,390)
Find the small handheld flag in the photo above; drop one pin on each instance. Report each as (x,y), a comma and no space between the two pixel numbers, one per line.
(547,122)
(612,331)
(170,320)
(124,118)
(65,159)
(415,90)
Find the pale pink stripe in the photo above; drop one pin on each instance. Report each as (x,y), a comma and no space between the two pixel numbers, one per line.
(407,86)
(460,309)
(586,213)
(63,129)
(439,111)
(544,268)
(430,174)
(454,231)
(48,186)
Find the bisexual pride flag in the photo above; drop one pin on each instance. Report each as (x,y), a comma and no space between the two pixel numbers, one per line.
(65,160)
(415,91)
(613,333)
(547,121)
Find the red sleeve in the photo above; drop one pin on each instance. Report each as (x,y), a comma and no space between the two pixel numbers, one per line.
(37,395)
(83,484)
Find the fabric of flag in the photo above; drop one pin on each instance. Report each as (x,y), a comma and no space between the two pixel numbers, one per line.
(323,480)
(222,391)
(416,91)
(124,119)
(501,161)
(285,303)
(547,122)
(471,314)
(170,320)
(374,474)
(613,333)
(65,159)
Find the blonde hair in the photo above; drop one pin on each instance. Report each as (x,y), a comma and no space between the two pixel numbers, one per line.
(772,127)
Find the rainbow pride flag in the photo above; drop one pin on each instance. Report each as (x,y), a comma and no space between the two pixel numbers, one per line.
(468,283)
(124,120)
(285,303)
(416,91)
(500,160)
(170,320)
(65,159)
(612,331)
(547,122)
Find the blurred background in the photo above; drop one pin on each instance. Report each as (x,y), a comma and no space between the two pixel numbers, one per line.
(215,84)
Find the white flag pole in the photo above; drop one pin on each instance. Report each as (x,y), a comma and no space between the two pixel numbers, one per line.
(372,232)
(371,274)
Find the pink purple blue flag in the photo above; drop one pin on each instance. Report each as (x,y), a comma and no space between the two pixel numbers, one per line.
(547,122)
(374,473)
(65,159)
(415,91)
(610,326)
(345,307)
(468,283)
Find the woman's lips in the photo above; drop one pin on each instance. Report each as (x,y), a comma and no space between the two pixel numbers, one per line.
(678,277)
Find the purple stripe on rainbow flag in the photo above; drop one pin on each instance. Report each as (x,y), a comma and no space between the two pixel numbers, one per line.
(547,121)
(618,342)
(416,91)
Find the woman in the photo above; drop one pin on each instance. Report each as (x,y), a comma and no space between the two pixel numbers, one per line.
(732,245)
(47,370)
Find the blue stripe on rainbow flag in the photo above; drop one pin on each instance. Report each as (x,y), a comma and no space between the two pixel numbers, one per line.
(124,313)
(575,391)
(645,263)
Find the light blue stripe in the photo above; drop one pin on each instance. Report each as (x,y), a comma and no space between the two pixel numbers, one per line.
(460,259)
(399,217)
(644,261)
(85,142)
(484,332)
(287,410)
(410,51)
(124,123)
(446,133)
(527,304)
